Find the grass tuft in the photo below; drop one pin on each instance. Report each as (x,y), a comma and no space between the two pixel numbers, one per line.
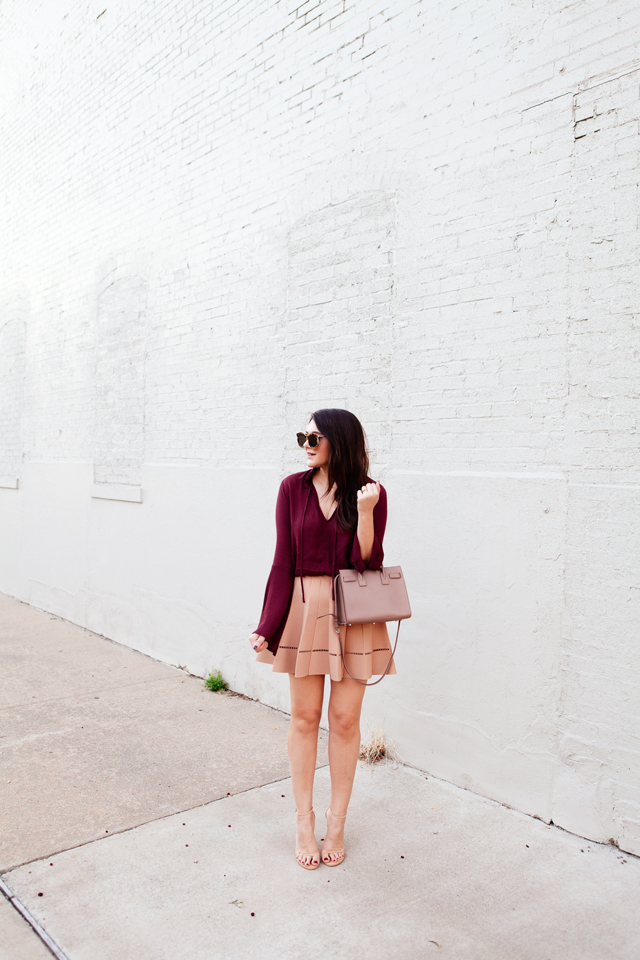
(216,682)
(377,748)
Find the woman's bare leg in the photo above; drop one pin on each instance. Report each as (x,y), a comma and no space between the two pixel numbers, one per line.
(345,705)
(306,710)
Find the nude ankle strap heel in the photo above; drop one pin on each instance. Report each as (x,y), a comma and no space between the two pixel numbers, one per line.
(332,858)
(313,859)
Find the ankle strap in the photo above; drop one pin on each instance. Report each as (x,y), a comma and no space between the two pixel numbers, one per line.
(335,815)
(304,814)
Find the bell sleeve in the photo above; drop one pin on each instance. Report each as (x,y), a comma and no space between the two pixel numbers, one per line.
(279,590)
(379,526)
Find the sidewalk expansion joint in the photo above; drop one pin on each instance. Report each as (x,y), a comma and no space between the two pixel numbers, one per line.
(40,932)
(174,813)
(94,691)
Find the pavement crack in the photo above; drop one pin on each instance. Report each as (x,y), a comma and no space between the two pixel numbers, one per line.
(36,736)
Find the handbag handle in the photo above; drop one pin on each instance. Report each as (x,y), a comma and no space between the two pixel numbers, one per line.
(384,578)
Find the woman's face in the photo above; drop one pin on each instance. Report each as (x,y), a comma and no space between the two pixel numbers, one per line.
(317,456)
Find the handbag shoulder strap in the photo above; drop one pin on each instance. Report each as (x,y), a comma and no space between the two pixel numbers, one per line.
(387,668)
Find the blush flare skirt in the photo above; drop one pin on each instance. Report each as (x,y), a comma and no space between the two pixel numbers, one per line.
(310,645)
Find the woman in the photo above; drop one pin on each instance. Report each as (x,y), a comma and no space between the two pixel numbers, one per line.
(330,517)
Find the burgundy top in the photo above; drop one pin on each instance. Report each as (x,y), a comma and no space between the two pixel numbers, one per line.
(309,545)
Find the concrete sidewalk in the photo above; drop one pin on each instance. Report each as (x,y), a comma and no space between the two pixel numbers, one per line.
(144,817)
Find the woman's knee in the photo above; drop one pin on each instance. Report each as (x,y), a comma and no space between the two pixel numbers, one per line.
(344,723)
(306,719)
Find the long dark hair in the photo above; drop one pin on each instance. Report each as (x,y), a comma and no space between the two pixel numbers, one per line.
(349,462)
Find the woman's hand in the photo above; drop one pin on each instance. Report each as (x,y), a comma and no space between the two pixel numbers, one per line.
(257,642)
(367,498)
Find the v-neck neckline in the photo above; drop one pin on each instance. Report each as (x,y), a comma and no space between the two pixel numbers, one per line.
(326,518)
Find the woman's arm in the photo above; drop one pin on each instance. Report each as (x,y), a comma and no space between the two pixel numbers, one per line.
(368,497)
(280,583)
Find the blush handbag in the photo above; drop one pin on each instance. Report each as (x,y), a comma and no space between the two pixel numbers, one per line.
(375,596)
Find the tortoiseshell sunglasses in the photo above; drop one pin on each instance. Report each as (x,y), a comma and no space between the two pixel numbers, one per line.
(313,439)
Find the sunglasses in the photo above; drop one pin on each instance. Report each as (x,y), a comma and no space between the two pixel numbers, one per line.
(313,439)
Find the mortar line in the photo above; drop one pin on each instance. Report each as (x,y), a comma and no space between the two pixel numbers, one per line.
(39,931)
(576,92)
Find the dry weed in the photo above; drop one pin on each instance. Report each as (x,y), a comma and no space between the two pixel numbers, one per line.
(377,748)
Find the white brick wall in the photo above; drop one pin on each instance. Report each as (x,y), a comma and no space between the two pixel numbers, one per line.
(218,217)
